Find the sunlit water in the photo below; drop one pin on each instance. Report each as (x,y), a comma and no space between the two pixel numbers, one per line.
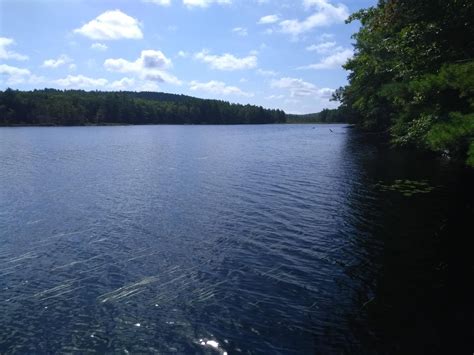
(213,239)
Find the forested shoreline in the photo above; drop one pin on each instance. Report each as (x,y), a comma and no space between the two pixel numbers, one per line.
(51,107)
(411,79)
(412,75)
(337,115)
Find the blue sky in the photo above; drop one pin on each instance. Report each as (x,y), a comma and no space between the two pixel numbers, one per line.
(278,54)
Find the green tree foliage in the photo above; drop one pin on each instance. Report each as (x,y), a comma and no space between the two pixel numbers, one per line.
(77,107)
(338,115)
(412,74)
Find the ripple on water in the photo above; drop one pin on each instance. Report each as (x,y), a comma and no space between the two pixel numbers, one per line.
(184,239)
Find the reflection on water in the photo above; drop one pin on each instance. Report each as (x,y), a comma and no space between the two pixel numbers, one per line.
(229,239)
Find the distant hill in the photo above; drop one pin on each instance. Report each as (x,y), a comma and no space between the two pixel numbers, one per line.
(78,107)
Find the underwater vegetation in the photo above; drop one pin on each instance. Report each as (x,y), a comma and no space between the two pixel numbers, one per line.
(407,188)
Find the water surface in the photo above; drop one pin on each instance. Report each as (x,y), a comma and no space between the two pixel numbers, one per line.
(210,239)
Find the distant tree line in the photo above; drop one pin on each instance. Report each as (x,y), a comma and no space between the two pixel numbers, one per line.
(338,115)
(412,75)
(78,107)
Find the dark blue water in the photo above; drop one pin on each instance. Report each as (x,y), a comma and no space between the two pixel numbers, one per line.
(213,239)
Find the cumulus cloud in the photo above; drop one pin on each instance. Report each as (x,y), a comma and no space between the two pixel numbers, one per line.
(183,54)
(300,88)
(204,3)
(326,93)
(227,62)
(99,46)
(321,48)
(151,65)
(269,19)
(9,70)
(111,25)
(55,63)
(275,97)
(218,88)
(81,81)
(6,54)
(159,2)
(122,84)
(326,14)
(85,82)
(263,72)
(12,75)
(149,59)
(191,3)
(332,61)
(240,31)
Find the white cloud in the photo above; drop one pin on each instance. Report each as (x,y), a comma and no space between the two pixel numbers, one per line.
(308,4)
(159,2)
(99,46)
(321,48)
(149,59)
(81,81)
(110,25)
(266,72)
(12,75)
(301,88)
(122,84)
(227,61)
(204,3)
(269,19)
(183,54)
(218,88)
(332,61)
(326,14)
(151,65)
(297,87)
(8,54)
(326,93)
(125,83)
(275,97)
(55,63)
(240,31)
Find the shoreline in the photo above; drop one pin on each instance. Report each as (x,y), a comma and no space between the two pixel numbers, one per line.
(176,124)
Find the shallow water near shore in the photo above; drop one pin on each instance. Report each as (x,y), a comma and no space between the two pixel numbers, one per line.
(289,239)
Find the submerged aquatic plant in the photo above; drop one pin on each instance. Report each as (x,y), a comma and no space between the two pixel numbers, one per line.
(407,188)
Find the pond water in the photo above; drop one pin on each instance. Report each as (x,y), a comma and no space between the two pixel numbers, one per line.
(276,239)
